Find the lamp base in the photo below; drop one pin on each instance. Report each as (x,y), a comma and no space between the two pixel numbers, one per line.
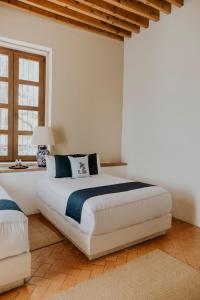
(42,151)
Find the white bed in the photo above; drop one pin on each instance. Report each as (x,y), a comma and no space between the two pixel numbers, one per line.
(108,222)
(15,260)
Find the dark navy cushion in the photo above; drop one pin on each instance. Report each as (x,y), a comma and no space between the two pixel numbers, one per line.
(93,166)
(63,167)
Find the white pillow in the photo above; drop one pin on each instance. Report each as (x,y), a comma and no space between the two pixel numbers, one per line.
(51,166)
(100,170)
(79,166)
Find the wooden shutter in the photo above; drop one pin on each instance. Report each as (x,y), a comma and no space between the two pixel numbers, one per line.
(26,90)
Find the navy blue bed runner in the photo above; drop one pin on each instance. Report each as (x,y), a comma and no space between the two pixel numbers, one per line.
(8,205)
(77,199)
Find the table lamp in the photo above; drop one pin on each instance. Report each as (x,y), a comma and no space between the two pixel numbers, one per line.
(42,137)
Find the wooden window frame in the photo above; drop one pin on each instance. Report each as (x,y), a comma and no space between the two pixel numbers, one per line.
(10,105)
(13,106)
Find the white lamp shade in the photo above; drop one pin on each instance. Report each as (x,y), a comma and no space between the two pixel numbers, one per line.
(43,136)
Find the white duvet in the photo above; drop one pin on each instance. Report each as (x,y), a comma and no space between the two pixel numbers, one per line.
(13,230)
(106,213)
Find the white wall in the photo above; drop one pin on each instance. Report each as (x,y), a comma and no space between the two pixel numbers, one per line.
(87,82)
(161,115)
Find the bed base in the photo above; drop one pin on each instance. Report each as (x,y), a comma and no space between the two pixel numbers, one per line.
(94,246)
(95,256)
(14,271)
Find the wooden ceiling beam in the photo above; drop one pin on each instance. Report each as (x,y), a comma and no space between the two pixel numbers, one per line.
(65,12)
(116,12)
(178,3)
(60,19)
(137,8)
(160,5)
(97,14)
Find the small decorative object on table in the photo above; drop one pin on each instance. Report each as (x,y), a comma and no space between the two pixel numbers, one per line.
(43,137)
(18,165)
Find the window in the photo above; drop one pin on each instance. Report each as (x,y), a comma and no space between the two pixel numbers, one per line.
(22,81)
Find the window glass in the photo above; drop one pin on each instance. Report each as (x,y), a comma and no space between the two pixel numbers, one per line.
(27,120)
(3,92)
(28,95)
(3,65)
(25,148)
(3,145)
(28,70)
(3,118)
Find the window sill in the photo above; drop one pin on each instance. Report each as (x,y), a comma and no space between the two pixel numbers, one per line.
(4,167)
(32,166)
(113,164)
(11,163)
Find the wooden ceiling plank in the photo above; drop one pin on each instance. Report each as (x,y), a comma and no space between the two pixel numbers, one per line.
(178,3)
(137,8)
(97,14)
(60,19)
(65,12)
(116,12)
(160,5)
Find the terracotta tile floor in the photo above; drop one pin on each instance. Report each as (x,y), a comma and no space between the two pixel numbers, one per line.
(61,266)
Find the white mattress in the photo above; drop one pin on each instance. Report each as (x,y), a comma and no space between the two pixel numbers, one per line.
(107,213)
(13,231)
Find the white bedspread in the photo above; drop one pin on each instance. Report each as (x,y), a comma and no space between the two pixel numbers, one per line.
(13,230)
(106,213)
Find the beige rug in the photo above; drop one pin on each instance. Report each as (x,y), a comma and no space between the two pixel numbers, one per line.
(42,234)
(155,276)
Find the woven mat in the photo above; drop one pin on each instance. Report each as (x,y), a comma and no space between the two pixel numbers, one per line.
(41,234)
(155,276)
